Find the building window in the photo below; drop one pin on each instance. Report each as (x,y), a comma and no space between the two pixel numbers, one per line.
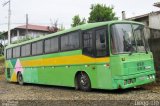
(70,41)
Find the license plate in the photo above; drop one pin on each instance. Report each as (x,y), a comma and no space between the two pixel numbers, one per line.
(148,67)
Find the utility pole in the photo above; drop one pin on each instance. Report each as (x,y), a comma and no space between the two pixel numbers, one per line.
(26,25)
(9,20)
(123,15)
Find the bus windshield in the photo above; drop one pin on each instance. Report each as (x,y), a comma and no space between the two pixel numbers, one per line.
(127,38)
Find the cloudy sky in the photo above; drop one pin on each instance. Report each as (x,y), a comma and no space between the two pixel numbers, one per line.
(41,12)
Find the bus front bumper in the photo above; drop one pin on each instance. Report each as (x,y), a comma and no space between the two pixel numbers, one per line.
(123,82)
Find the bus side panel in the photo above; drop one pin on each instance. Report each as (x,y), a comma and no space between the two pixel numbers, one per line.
(100,76)
(50,69)
(64,75)
(30,75)
(10,70)
(60,75)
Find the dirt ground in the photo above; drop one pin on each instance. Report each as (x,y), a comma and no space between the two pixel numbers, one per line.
(13,91)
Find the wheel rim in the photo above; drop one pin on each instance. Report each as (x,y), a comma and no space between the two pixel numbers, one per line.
(20,79)
(83,80)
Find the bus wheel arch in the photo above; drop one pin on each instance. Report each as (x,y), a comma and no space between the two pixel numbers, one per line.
(20,78)
(82,81)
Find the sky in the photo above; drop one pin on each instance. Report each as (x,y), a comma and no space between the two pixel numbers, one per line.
(45,12)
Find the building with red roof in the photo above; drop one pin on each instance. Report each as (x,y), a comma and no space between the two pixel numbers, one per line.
(29,30)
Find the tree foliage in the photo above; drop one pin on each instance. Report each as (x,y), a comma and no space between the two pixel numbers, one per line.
(76,20)
(100,13)
(1,32)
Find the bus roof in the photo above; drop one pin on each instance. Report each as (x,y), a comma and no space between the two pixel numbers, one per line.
(80,27)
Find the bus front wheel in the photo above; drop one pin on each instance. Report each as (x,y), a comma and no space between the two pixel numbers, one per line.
(83,82)
(20,78)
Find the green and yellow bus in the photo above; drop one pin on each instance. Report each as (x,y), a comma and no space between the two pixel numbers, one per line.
(104,55)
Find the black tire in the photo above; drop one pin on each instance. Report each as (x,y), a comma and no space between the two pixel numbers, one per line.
(20,78)
(83,82)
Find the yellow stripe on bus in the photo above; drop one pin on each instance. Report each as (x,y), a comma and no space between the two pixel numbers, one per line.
(65,60)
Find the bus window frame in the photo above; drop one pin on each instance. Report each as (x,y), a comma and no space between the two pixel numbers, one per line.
(110,34)
(84,31)
(30,50)
(42,47)
(51,51)
(94,41)
(11,54)
(65,34)
(107,41)
(19,53)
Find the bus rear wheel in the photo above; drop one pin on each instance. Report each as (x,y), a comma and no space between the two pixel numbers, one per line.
(20,78)
(83,82)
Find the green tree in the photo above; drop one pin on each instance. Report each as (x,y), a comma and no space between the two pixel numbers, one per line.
(1,32)
(76,20)
(100,13)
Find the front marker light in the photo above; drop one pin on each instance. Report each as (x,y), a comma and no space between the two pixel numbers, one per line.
(125,82)
(150,76)
(129,81)
(153,77)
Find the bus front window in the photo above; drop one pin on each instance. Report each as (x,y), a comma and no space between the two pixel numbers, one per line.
(139,36)
(126,38)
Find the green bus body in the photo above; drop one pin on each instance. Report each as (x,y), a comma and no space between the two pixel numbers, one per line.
(112,71)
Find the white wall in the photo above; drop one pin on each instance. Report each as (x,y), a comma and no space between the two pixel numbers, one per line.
(154,20)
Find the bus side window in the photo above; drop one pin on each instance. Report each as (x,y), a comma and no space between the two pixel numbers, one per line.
(88,43)
(16,52)
(9,53)
(101,43)
(37,48)
(70,41)
(26,50)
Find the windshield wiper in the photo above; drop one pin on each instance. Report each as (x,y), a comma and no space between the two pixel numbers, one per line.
(128,47)
(131,48)
(146,49)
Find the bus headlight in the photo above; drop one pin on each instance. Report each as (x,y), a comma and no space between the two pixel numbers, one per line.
(151,76)
(125,82)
